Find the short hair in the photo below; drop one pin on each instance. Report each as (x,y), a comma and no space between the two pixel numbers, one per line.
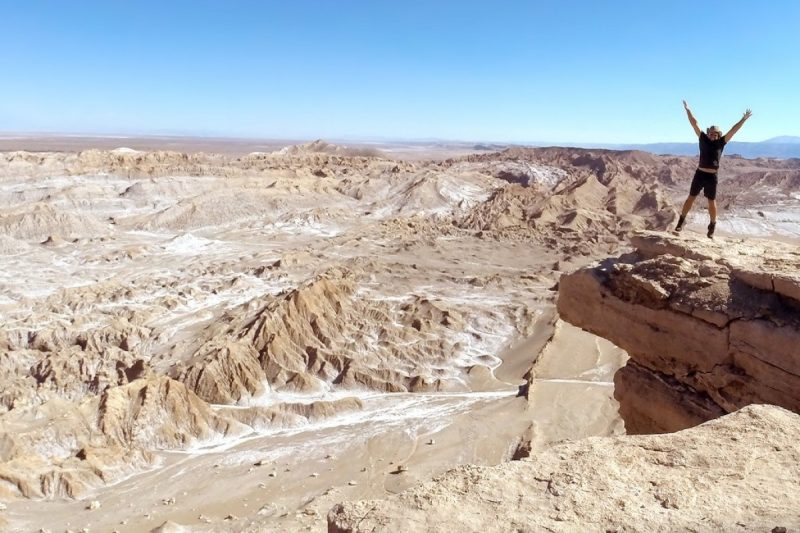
(714,128)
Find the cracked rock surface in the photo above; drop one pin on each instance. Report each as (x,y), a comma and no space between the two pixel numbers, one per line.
(710,326)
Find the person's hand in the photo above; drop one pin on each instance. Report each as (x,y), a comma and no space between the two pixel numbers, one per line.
(747,114)
(686,106)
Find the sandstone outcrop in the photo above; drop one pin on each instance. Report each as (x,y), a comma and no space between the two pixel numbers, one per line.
(322,334)
(587,207)
(737,473)
(75,447)
(224,372)
(44,221)
(710,326)
(133,414)
(292,414)
(322,147)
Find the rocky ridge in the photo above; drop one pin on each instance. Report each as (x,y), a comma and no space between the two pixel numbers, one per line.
(320,334)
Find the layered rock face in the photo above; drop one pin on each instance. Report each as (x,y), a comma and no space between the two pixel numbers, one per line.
(685,481)
(710,326)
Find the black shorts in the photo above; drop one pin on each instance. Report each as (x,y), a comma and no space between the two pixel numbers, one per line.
(706,182)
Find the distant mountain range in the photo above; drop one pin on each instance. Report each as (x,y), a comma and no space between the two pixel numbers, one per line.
(783,147)
(779,147)
(784,139)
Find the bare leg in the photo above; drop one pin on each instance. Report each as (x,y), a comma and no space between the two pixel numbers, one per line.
(687,205)
(712,213)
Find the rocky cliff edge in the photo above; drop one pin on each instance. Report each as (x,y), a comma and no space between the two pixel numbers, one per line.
(710,326)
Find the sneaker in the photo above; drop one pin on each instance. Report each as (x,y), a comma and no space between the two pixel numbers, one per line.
(681,220)
(711,228)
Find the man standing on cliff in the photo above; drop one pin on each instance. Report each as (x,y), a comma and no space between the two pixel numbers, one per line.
(712,142)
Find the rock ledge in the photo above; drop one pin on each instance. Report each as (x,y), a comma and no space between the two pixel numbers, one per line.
(710,326)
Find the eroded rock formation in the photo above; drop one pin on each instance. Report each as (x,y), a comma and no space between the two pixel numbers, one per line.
(711,326)
(139,288)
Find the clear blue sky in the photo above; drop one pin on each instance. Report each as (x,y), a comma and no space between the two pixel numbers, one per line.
(550,71)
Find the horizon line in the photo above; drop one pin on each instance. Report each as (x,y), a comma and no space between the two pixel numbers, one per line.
(365,139)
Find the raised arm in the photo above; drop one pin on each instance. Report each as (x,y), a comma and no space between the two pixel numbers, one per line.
(692,120)
(736,127)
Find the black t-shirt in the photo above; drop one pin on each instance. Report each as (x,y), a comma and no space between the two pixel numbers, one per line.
(710,151)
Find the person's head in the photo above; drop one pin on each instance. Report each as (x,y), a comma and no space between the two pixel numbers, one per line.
(713,133)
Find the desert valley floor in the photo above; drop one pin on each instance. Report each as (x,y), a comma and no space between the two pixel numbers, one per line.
(239,341)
